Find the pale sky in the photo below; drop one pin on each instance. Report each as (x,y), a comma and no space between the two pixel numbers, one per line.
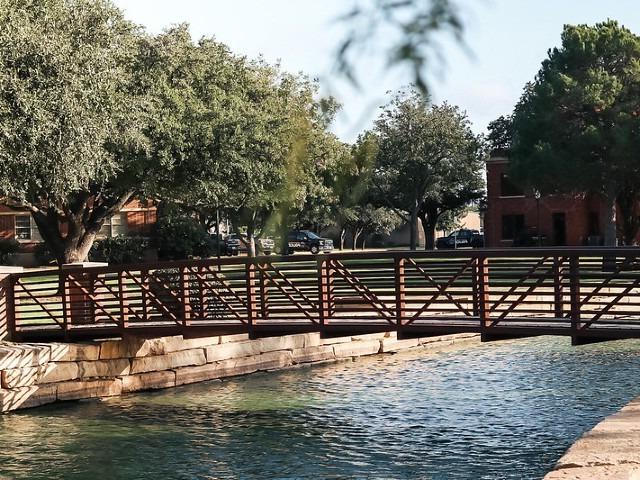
(507,40)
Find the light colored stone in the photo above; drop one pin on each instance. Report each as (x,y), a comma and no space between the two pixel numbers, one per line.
(105,368)
(20,377)
(240,337)
(191,343)
(599,472)
(264,361)
(22,355)
(148,381)
(196,374)
(59,372)
(394,345)
(356,349)
(74,352)
(77,390)
(111,349)
(374,336)
(313,354)
(334,340)
(225,351)
(183,358)
(27,397)
(288,342)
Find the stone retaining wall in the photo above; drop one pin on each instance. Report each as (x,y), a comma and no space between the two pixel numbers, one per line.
(36,374)
(610,450)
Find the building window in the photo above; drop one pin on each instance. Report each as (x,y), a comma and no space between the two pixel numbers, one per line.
(508,188)
(114,226)
(23,227)
(512,226)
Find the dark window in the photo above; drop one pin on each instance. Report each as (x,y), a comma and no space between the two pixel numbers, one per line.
(508,188)
(512,226)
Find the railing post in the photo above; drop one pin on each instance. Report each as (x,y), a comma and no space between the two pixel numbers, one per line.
(124,313)
(482,288)
(324,291)
(252,297)
(574,291)
(400,291)
(144,280)
(264,292)
(185,296)
(558,291)
(10,307)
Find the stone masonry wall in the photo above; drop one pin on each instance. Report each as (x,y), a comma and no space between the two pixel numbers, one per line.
(36,374)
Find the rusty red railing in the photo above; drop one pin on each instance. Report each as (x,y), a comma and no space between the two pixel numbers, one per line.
(587,294)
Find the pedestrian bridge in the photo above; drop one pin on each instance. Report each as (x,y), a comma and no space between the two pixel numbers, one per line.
(587,294)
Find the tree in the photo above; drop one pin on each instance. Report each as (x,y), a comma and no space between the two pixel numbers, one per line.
(577,126)
(500,135)
(70,147)
(429,161)
(364,220)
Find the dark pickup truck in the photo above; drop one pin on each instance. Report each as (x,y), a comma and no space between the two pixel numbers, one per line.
(461,238)
(307,241)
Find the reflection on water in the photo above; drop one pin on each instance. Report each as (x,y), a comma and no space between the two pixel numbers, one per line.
(499,410)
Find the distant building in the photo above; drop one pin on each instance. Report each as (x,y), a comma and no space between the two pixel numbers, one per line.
(516,217)
(135,219)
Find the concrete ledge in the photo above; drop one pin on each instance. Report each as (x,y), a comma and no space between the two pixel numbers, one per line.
(610,450)
(36,374)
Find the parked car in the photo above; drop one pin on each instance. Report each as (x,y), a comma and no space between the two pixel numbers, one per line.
(237,243)
(461,238)
(307,241)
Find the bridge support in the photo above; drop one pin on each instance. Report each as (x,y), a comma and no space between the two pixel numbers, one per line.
(577,340)
(493,337)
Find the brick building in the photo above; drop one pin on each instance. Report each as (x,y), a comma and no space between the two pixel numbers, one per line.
(135,219)
(516,217)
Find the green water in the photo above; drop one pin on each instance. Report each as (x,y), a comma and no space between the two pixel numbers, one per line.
(504,410)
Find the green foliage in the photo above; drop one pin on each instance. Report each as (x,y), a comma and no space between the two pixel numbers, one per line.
(429,161)
(415,27)
(577,126)
(500,135)
(180,237)
(119,250)
(7,247)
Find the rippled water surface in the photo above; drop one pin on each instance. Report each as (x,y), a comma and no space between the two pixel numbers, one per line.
(494,411)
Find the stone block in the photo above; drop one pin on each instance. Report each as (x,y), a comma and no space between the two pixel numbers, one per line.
(240,337)
(394,345)
(183,358)
(264,361)
(20,377)
(313,354)
(77,390)
(191,343)
(596,472)
(59,372)
(196,374)
(27,397)
(225,351)
(288,342)
(110,349)
(105,368)
(335,340)
(22,355)
(148,381)
(74,352)
(374,336)
(356,349)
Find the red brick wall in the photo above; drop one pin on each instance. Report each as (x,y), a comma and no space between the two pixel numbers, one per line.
(540,212)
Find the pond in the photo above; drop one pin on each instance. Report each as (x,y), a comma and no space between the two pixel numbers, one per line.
(503,410)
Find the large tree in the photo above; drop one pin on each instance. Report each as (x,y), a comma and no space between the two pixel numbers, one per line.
(71,150)
(429,161)
(577,126)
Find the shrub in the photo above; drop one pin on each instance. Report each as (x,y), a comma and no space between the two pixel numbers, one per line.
(118,250)
(43,254)
(7,247)
(179,237)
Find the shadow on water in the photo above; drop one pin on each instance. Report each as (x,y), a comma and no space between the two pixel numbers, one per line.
(498,410)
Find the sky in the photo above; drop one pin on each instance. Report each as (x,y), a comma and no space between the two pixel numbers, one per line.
(505,42)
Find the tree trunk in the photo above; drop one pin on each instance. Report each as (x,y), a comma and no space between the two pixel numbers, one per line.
(356,235)
(364,243)
(429,220)
(609,225)
(630,223)
(343,235)
(413,227)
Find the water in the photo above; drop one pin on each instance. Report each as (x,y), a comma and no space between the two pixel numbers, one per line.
(505,410)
